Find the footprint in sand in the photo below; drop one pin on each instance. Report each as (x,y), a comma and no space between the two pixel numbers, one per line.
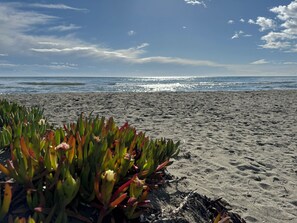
(265,186)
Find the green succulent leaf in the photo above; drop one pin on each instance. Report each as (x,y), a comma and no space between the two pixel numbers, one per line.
(6,201)
(92,161)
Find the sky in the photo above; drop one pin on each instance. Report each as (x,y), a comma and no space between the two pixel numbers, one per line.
(148,38)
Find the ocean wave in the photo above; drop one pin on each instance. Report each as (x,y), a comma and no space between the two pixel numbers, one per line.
(52,83)
(146,84)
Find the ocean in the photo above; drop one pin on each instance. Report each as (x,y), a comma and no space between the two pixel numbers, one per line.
(11,85)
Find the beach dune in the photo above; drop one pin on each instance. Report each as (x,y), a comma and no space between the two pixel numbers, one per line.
(241,146)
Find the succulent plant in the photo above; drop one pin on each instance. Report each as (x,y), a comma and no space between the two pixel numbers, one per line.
(24,220)
(91,163)
(18,120)
(6,201)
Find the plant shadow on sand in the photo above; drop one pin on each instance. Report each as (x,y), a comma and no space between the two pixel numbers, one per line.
(169,204)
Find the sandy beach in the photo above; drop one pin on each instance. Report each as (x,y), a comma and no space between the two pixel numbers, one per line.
(241,146)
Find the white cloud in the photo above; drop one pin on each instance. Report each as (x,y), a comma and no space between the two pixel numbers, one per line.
(131,33)
(290,27)
(242,20)
(195,2)
(15,25)
(250,21)
(143,45)
(277,40)
(8,65)
(290,63)
(235,36)
(184,27)
(63,28)
(285,12)
(180,61)
(284,36)
(264,23)
(12,19)
(3,54)
(230,21)
(52,66)
(61,66)
(271,69)
(276,45)
(131,55)
(239,34)
(48,43)
(56,6)
(259,62)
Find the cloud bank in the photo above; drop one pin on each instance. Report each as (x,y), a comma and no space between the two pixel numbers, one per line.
(282,33)
(264,23)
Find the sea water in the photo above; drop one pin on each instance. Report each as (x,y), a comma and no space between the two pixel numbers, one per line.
(10,85)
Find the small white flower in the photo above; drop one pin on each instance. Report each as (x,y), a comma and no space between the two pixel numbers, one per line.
(109,175)
(41,122)
(62,146)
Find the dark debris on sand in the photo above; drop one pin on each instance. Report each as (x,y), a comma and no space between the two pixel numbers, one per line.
(186,207)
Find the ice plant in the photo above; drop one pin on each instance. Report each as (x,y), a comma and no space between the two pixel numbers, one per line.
(136,187)
(6,201)
(18,120)
(24,220)
(108,181)
(92,163)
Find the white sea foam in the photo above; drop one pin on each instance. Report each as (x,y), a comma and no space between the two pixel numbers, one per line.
(164,87)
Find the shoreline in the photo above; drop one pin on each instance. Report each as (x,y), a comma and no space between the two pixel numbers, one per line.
(147,92)
(237,145)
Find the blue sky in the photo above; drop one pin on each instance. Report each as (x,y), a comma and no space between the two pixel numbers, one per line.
(148,38)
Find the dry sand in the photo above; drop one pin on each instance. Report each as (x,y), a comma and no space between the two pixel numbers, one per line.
(241,146)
